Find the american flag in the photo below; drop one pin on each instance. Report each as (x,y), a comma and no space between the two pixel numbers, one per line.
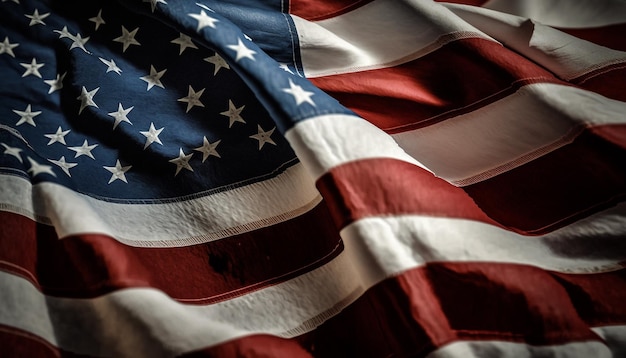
(303,178)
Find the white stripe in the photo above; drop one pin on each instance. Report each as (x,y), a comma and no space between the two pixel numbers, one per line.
(565,55)
(326,141)
(500,349)
(565,13)
(129,321)
(510,132)
(378,34)
(385,246)
(207,218)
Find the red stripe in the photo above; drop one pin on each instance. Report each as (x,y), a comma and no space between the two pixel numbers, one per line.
(608,81)
(18,343)
(615,134)
(567,184)
(90,265)
(611,36)
(315,10)
(558,188)
(597,297)
(376,187)
(457,78)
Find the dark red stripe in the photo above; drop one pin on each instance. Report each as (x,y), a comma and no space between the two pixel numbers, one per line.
(565,185)
(457,78)
(558,188)
(597,297)
(614,133)
(15,342)
(90,265)
(609,81)
(611,36)
(315,10)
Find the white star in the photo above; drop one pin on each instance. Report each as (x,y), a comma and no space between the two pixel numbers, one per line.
(26,116)
(286,68)
(153,3)
(86,98)
(78,41)
(35,18)
(192,99)
(59,136)
(233,113)
(182,161)
(299,94)
(64,33)
(127,38)
(263,136)
(111,66)
(65,166)
(242,51)
(152,135)
(98,20)
(7,47)
(118,172)
(204,20)
(218,62)
(154,78)
(14,151)
(84,149)
(32,68)
(36,168)
(120,115)
(208,149)
(183,41)
(56,84)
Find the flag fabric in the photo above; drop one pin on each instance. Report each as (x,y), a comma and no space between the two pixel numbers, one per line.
(312,178)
